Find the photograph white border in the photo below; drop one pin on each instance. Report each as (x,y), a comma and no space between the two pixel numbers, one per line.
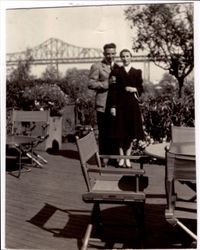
(5,5)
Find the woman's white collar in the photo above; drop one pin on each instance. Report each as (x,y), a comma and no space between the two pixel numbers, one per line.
(128,67)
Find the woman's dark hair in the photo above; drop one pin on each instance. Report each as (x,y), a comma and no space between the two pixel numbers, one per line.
(109,46)
(124,50)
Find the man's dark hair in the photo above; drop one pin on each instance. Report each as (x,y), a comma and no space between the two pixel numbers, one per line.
(109,46)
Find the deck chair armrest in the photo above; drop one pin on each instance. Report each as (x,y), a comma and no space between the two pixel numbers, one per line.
(33,127)
(167,148)
(17,147)
(45,125)
(40,139)
(114,197)
(117,171)
(130,157)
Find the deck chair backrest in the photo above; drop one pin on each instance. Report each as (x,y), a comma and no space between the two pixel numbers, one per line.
(183,134)
(181,166)
(30,116)
(87,147)
(182,160)
(37,117)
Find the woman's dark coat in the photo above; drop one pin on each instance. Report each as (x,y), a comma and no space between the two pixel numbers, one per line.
(127,124)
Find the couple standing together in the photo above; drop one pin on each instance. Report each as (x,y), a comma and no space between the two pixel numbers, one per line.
(118,113)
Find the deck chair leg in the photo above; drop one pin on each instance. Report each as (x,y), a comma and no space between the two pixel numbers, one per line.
(87,237)
(20,164)
(40,157)
(138,210)
(95,221)
(169,192)
(96,217)
(188,231)
(139,215)
(35,160)
(24,169)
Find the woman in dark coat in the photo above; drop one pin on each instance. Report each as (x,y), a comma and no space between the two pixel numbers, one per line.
(125,90)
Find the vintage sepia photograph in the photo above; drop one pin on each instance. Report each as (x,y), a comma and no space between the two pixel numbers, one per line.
(100,127)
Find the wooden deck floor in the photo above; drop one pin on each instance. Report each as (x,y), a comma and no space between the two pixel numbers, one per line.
(44,210)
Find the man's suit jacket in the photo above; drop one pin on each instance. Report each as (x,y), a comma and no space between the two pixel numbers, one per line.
(98,81)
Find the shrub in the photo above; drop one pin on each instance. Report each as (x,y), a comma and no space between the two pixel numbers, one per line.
(163,110)
(46,96)
(85,111)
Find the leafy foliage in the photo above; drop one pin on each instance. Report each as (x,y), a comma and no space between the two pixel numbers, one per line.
(51,91)
(23,71)
(165,31)
(162,107)
(75,84)
(85,111)
(160,104)
(50,74)
(46,96)
(16,82)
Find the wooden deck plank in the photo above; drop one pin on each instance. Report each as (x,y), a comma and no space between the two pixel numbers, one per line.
(44,209)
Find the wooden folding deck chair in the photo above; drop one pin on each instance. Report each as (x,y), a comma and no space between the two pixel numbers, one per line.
(34,124)
(104,185)
(181,166)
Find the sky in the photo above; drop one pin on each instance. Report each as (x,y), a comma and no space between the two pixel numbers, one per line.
(84,26)
(30,23)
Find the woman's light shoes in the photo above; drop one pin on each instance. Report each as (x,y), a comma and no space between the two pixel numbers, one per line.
(121,163)
(127,163)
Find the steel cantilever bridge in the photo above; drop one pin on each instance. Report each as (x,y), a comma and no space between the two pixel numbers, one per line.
(55,51)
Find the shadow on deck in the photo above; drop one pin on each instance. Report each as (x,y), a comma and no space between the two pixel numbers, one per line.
(44,210)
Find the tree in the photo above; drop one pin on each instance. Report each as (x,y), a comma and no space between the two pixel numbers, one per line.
(168,84)
(51,74)
(166,32)
(75,84)
(22,73)
(17,80)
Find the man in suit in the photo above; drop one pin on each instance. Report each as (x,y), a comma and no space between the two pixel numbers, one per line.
(99,82)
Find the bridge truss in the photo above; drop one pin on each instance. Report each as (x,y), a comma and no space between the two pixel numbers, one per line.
(55,51)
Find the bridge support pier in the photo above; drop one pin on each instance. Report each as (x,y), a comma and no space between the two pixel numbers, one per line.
(147,71)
